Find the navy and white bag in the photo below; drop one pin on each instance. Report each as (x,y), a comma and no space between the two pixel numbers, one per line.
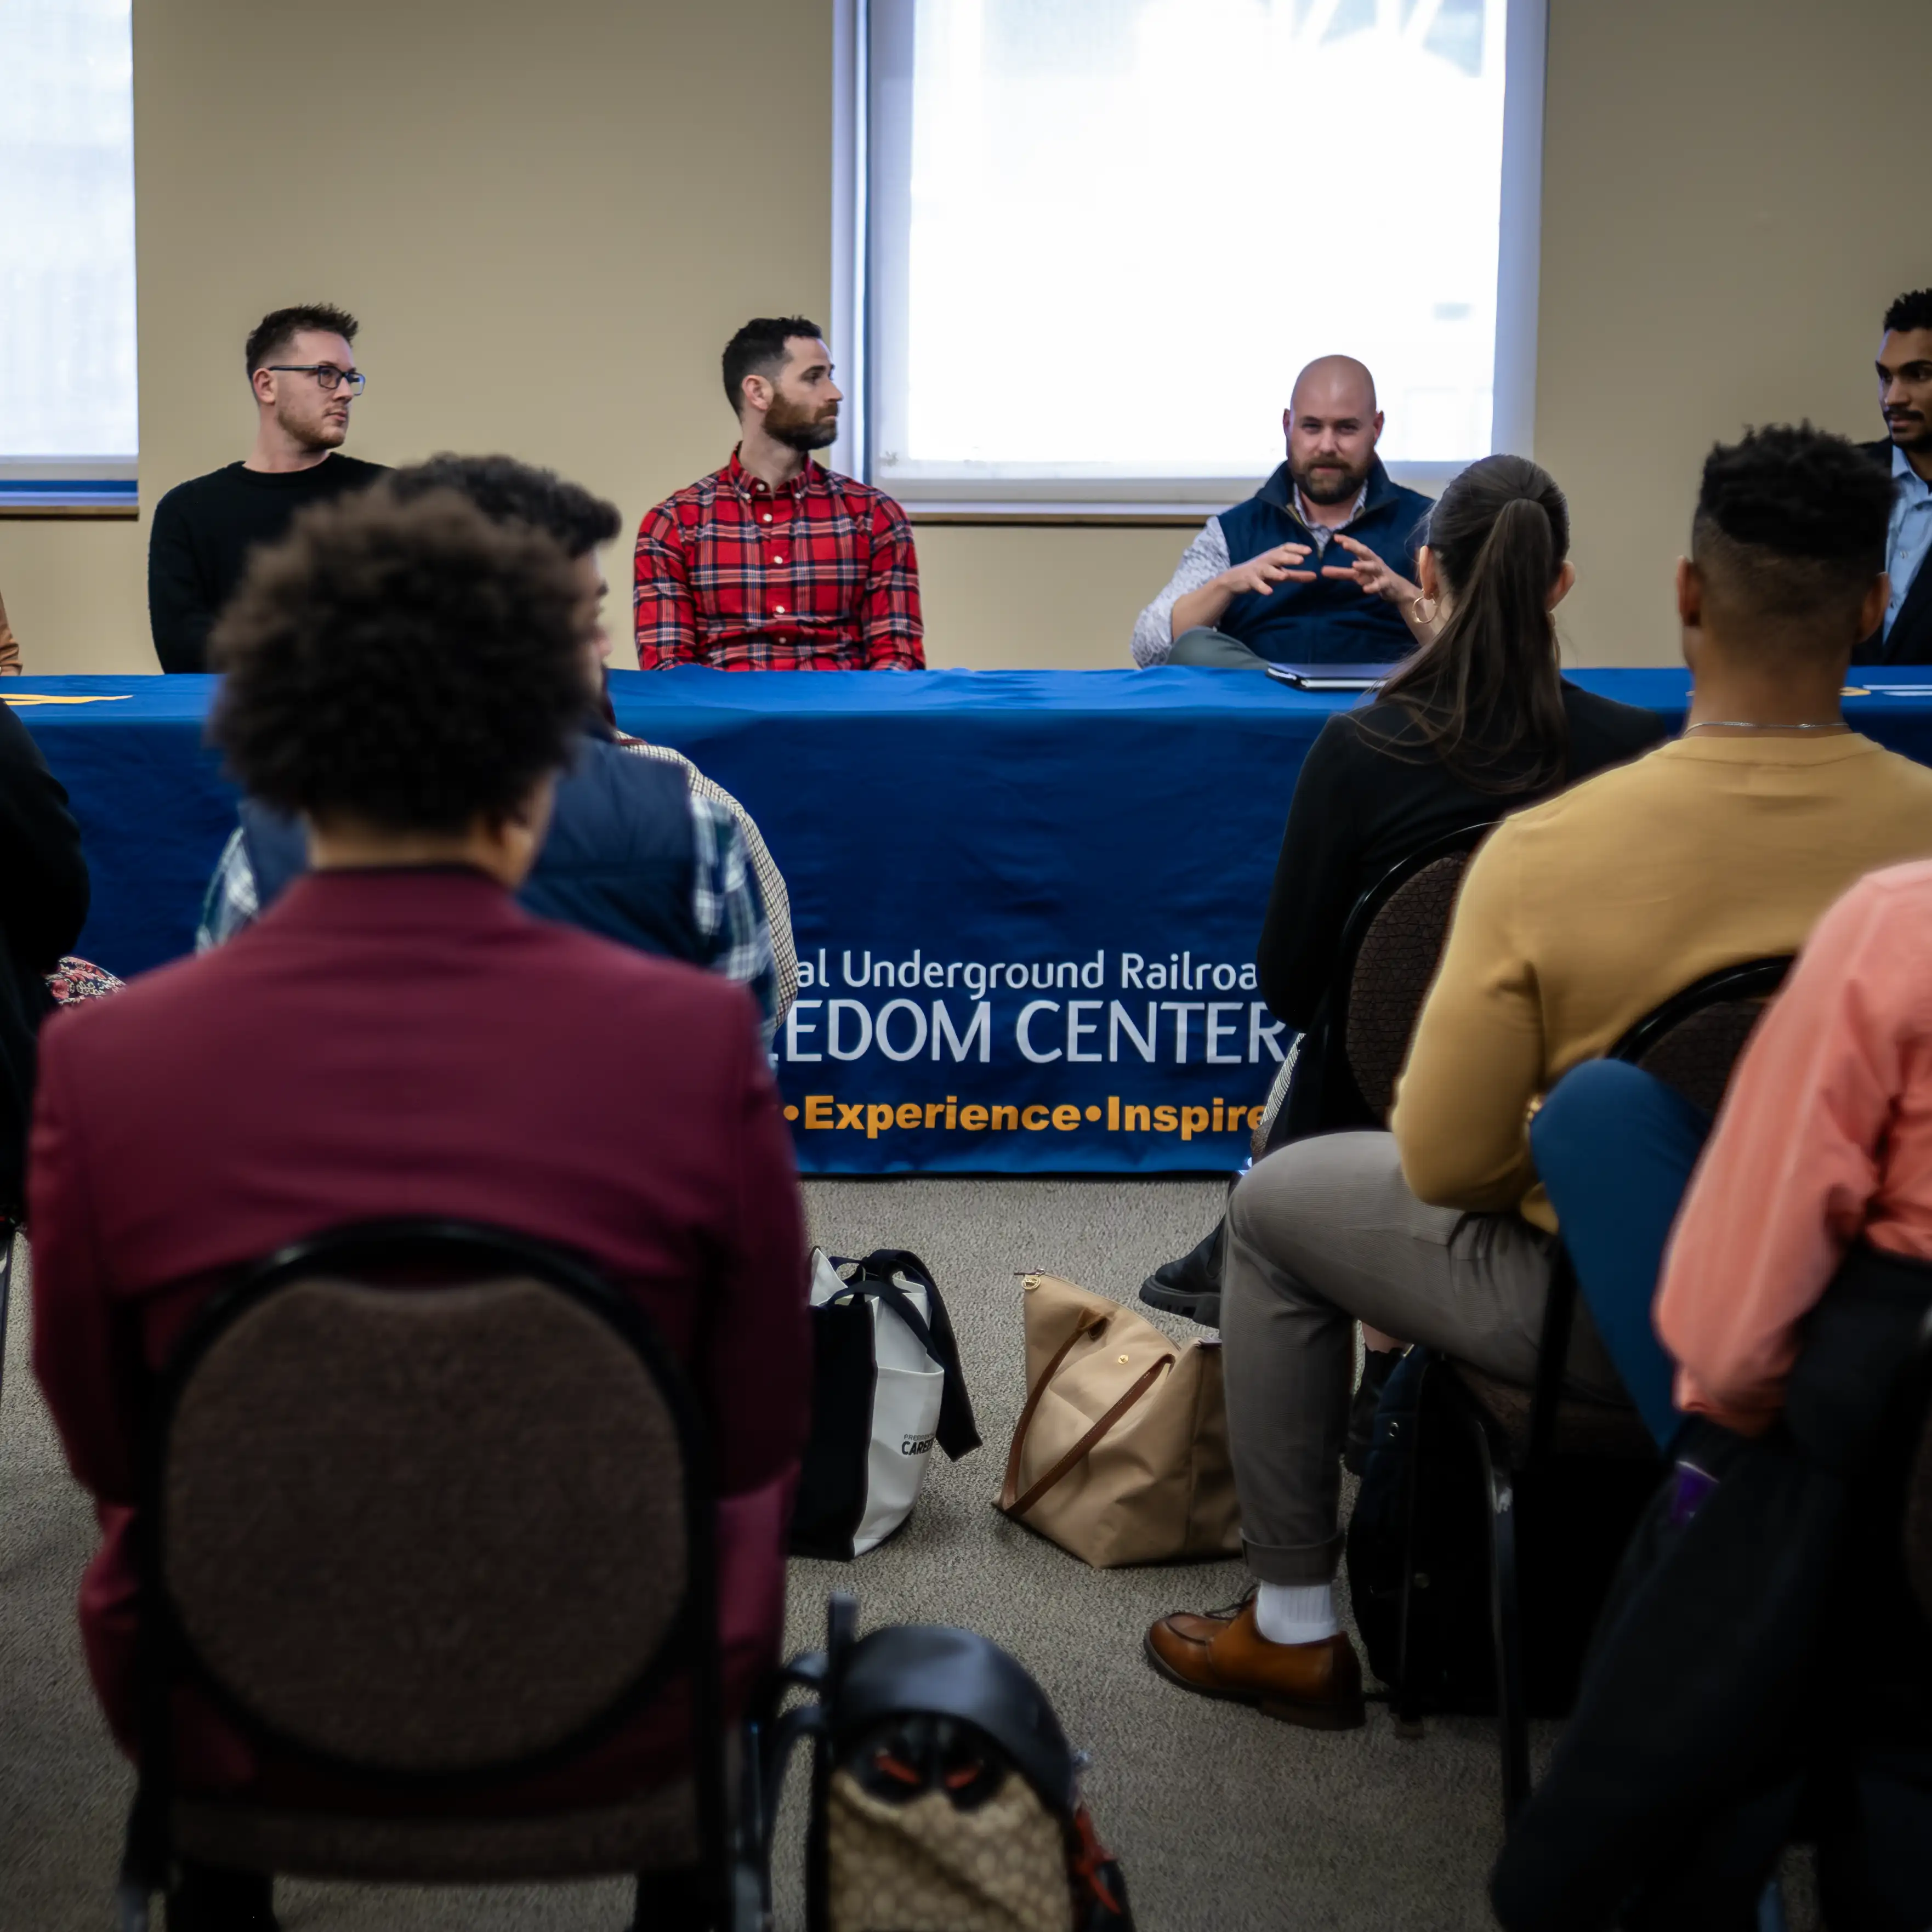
(885,1385)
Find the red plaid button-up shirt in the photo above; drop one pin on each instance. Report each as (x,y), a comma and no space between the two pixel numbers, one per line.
(817,575)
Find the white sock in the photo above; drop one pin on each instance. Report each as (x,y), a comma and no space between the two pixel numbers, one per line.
(1295,1612)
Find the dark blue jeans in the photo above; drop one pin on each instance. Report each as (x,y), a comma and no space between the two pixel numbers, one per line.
(1615,1148)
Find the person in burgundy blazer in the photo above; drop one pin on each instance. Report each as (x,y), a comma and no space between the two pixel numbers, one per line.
(395,1036)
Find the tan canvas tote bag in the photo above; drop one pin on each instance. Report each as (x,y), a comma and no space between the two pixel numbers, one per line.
(1121,1453)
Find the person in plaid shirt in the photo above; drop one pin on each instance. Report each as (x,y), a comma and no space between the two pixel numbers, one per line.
(774,563)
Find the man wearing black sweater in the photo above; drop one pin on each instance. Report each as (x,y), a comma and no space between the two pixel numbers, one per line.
(301,367)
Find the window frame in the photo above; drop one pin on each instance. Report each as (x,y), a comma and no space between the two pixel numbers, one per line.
(40,485)
(856,322)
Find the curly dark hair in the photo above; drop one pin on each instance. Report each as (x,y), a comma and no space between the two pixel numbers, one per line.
(1911,310)
(413,666)
(759,348)
(506,491)
(271,336)
(1790,531)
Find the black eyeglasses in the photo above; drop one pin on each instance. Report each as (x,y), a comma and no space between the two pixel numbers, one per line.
(328,378)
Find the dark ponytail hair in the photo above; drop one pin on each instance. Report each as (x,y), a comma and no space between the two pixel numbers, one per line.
(1484,698)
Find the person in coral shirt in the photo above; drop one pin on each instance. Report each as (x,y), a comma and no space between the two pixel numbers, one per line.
(1824,1138)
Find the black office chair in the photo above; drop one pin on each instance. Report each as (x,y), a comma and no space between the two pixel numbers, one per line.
(428,1511)
(1691,1042)
(1345,1072)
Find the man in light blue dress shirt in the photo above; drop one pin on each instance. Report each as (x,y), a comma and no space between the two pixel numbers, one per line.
(1904,366)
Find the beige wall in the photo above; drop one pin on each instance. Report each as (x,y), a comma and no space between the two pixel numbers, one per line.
(550,217)
(1722,230)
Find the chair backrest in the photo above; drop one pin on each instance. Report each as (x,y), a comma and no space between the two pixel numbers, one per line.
(1390,949)
(428,1503)
(1693,1040)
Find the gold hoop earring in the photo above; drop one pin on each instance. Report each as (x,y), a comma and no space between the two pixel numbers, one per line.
(1421,616)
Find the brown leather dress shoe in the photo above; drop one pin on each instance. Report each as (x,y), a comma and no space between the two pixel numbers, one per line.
(1220,1654)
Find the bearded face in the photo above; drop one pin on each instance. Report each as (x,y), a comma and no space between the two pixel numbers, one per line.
(1332,424)
(801,400)
(803,425)
(1330,478)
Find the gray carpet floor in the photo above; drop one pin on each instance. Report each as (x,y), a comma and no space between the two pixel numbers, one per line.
(1224,1821)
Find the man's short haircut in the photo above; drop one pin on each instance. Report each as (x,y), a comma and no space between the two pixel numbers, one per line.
(1789,533)
(410,665)
(759,348)
(1912,309)
(273,334)
(508,491)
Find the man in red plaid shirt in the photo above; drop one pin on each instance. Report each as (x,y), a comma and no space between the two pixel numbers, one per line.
(774,564)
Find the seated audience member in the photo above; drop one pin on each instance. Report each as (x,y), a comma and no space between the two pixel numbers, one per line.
(1824,1139)
(773,893)
(396,1038)
(1576,918)
(1256,587)
(774,564)
(44,900)
(640,848)
(9,647)
(1904,634)
(301,364)
(1480,721)
(1714,1719)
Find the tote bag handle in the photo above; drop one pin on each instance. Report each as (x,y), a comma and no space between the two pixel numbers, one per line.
(1018,1505)
(957,1433)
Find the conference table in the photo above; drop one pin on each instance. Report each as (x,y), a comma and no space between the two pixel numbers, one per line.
(1025,902)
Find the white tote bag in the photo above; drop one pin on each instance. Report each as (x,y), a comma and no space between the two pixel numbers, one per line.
(886,1385)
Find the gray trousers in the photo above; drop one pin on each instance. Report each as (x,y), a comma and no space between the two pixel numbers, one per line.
(1209,649)
(1321,1234)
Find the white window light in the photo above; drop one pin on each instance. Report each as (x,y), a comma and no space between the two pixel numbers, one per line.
(1082,247)
(68,421)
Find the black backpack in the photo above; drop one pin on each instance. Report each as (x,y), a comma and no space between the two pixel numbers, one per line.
(1449,1636)
(1581,1512)
(943,1793)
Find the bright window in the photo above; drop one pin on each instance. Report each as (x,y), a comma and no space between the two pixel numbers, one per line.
(68,425)
(1103,235)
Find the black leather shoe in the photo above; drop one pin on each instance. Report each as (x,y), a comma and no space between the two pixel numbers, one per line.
(1191,1287)
(1376,1364)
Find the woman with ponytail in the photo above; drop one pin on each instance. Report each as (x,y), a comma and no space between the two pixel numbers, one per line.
(1478,722)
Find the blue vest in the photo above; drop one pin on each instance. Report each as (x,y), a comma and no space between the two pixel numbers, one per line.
(617,861)
(1329,621)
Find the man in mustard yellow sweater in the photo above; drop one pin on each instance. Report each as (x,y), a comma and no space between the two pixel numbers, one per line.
(1577,917)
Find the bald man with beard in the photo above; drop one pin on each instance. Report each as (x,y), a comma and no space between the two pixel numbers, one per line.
(1318,565)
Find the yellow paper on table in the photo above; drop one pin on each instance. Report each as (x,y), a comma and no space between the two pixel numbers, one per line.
(52,698)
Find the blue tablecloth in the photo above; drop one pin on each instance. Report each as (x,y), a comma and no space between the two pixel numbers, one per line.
(1025,901)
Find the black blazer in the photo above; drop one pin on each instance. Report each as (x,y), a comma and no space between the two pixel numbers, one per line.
(1911,639)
